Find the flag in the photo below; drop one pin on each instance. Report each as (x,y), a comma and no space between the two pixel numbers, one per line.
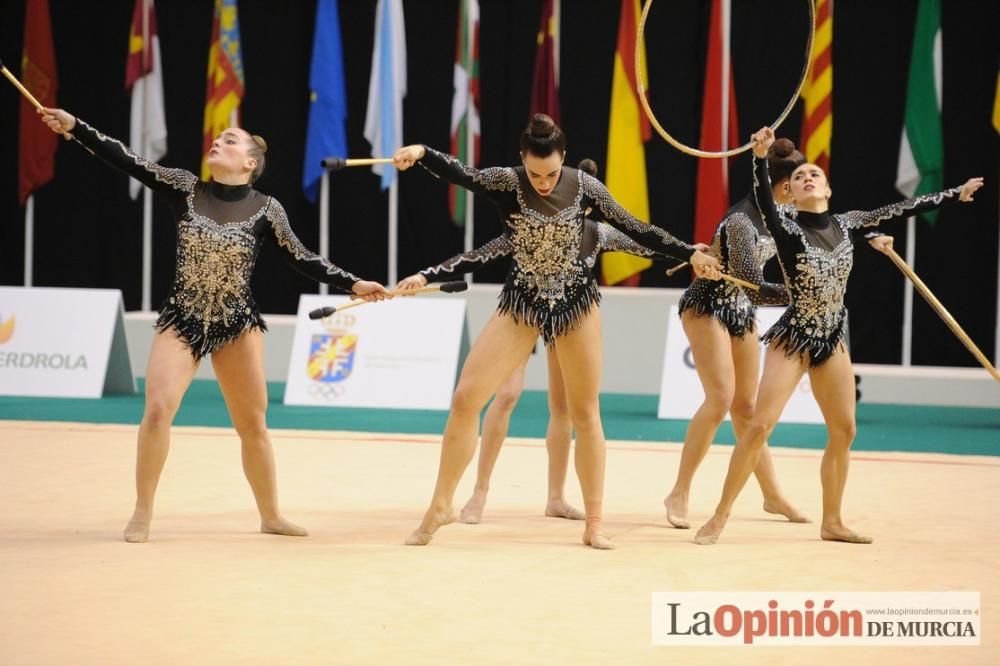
(326,134)
(36,142)
(921,146)
(465,103)
(224,91)
(719,130)
(628,130)
(817,123)
(387,86)
(144,77)
(545,85)
(996,110)
(921,149)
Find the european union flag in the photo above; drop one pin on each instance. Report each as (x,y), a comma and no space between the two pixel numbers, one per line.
(326,135)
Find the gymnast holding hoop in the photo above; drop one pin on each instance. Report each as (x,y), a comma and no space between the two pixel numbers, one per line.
(815,250)
(719,319)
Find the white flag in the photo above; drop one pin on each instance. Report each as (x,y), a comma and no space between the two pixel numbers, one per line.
(144,75)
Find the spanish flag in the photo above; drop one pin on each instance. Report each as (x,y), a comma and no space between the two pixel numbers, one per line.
(628,130)
(225,76)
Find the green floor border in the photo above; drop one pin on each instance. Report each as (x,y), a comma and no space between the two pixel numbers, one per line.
(960,430)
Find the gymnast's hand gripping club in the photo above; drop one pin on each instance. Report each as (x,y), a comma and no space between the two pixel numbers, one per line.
(24,91)
(446,287)
(725,276)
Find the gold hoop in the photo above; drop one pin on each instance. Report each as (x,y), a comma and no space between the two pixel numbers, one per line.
(641,89)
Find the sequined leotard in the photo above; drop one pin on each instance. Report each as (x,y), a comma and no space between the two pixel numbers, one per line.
(549,286)
(743,246)
(597,237)
(220,229)
(816,254)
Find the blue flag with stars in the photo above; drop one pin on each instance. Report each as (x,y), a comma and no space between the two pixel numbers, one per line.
(326,135)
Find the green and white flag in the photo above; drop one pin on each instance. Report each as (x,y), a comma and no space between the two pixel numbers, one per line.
(921,151)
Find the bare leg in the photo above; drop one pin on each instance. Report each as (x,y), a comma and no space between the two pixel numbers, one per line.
(833,386)
(781,375)
(502,346)
(495,425)
(239,367)
(558,440)
(710,348)
(580,356)
(169,372)
(746,360)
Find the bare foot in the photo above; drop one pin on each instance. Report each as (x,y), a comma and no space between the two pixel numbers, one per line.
(597,539)
(137,530)
(472,512)
(283,527)
(561,509)
(710,531)
(677,511)
(841,533)
(432,521)
(780,506)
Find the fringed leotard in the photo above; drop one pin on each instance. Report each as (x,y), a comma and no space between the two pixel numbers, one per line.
(550,287)
(220,229)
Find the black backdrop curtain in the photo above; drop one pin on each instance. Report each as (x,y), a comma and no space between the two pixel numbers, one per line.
(88,230)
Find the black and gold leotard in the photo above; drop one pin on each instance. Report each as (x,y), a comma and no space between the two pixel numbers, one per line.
(743,246)
(220,229)
(816,254)
(549,286)
(598,237)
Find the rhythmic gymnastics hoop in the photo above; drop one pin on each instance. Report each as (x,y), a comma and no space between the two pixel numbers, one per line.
(641,89)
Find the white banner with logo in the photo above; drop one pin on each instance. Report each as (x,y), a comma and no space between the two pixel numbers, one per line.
(402,353)
(63,343)
(681,393)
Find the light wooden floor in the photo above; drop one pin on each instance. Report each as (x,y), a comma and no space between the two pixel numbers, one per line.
(517,589)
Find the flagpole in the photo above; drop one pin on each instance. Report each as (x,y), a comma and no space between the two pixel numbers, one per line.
(29,239)
(147,194)
(324,222)
(724,108)
(911,251)
(470,133)
(393,229)
(996,343)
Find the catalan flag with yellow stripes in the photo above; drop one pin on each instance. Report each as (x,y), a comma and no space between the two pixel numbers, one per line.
(817,124)
(225,76)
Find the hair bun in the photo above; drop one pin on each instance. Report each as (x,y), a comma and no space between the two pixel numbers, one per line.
(783,148)
(259,140)
(588,166)
(541,125)
(783,159)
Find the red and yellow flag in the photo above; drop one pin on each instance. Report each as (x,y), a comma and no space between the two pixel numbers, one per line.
(225,76)
(37,143)
(628,130)
(817,124)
